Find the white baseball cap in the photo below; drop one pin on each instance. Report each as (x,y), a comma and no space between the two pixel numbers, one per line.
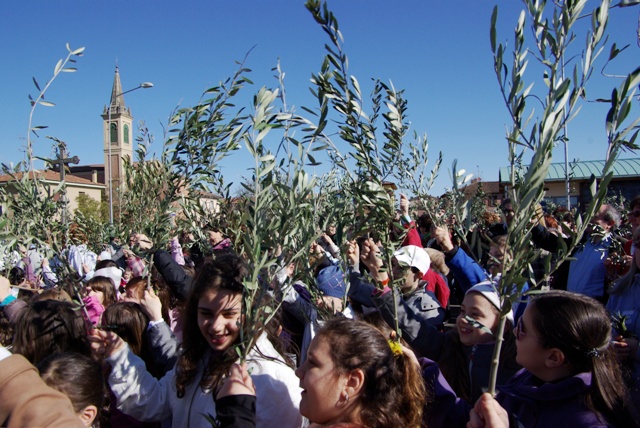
(413,256)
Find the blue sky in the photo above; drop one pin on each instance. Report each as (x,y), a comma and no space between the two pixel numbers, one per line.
(437,51)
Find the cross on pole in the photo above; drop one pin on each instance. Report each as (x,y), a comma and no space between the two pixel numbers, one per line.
(61,162)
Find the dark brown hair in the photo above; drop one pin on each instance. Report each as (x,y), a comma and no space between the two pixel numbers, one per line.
(414,387)
(52,294)
(139,284)
(224,273)
(580,327)
(131,323)
(104,285)
(81,379)
(48,327)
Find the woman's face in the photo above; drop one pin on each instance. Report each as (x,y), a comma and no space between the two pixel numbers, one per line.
(322,385)
(480,309)
(219,313)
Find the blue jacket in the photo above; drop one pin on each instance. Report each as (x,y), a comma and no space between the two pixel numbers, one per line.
(587,272)
(465,270)
(627,302)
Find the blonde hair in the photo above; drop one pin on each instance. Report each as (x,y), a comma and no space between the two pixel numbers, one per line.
(437,261)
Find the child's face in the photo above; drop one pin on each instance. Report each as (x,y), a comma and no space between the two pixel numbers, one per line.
(99,295)
(215,237)
(219,312)
(321,384)
(496,259)
(530,352)
(480,309)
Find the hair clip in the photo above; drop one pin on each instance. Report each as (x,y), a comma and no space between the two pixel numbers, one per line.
(396,348)
(593,353)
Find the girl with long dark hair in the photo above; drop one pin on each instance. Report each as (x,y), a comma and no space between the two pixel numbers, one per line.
(570,376)
(211,334)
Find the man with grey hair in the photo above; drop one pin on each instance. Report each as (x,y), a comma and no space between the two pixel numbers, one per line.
(587,272)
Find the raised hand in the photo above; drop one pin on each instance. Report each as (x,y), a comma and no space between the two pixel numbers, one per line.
(151,305)
(353,253)
(104,343)
(442,237)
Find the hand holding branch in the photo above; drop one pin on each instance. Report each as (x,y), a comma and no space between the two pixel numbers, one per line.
(143,242)
(104,343)
(488,413)
(237,383)
(151,305)
(353,253)
(404,205)
(442,237)
(625,347)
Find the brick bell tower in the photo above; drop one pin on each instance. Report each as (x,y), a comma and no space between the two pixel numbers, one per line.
(117,132)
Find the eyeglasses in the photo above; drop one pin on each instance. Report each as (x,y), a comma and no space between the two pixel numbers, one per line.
(520,334)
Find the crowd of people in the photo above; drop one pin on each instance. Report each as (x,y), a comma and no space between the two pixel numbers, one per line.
(163,340)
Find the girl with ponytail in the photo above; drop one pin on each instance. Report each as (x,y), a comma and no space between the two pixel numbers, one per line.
(355,377)
(570,377)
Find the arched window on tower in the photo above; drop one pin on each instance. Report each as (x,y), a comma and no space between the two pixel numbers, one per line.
(126,134)
(114,133)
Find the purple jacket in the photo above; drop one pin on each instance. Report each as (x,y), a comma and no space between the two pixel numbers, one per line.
(549,404)
(532,402)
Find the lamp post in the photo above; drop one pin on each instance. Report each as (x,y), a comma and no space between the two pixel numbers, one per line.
(143,85)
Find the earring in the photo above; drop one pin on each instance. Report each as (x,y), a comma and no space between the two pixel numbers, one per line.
(346,397)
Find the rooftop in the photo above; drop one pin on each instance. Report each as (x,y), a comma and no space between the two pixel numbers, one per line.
(49,176)
(582,170)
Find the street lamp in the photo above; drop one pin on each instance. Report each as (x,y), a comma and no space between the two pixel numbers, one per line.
(143,85)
